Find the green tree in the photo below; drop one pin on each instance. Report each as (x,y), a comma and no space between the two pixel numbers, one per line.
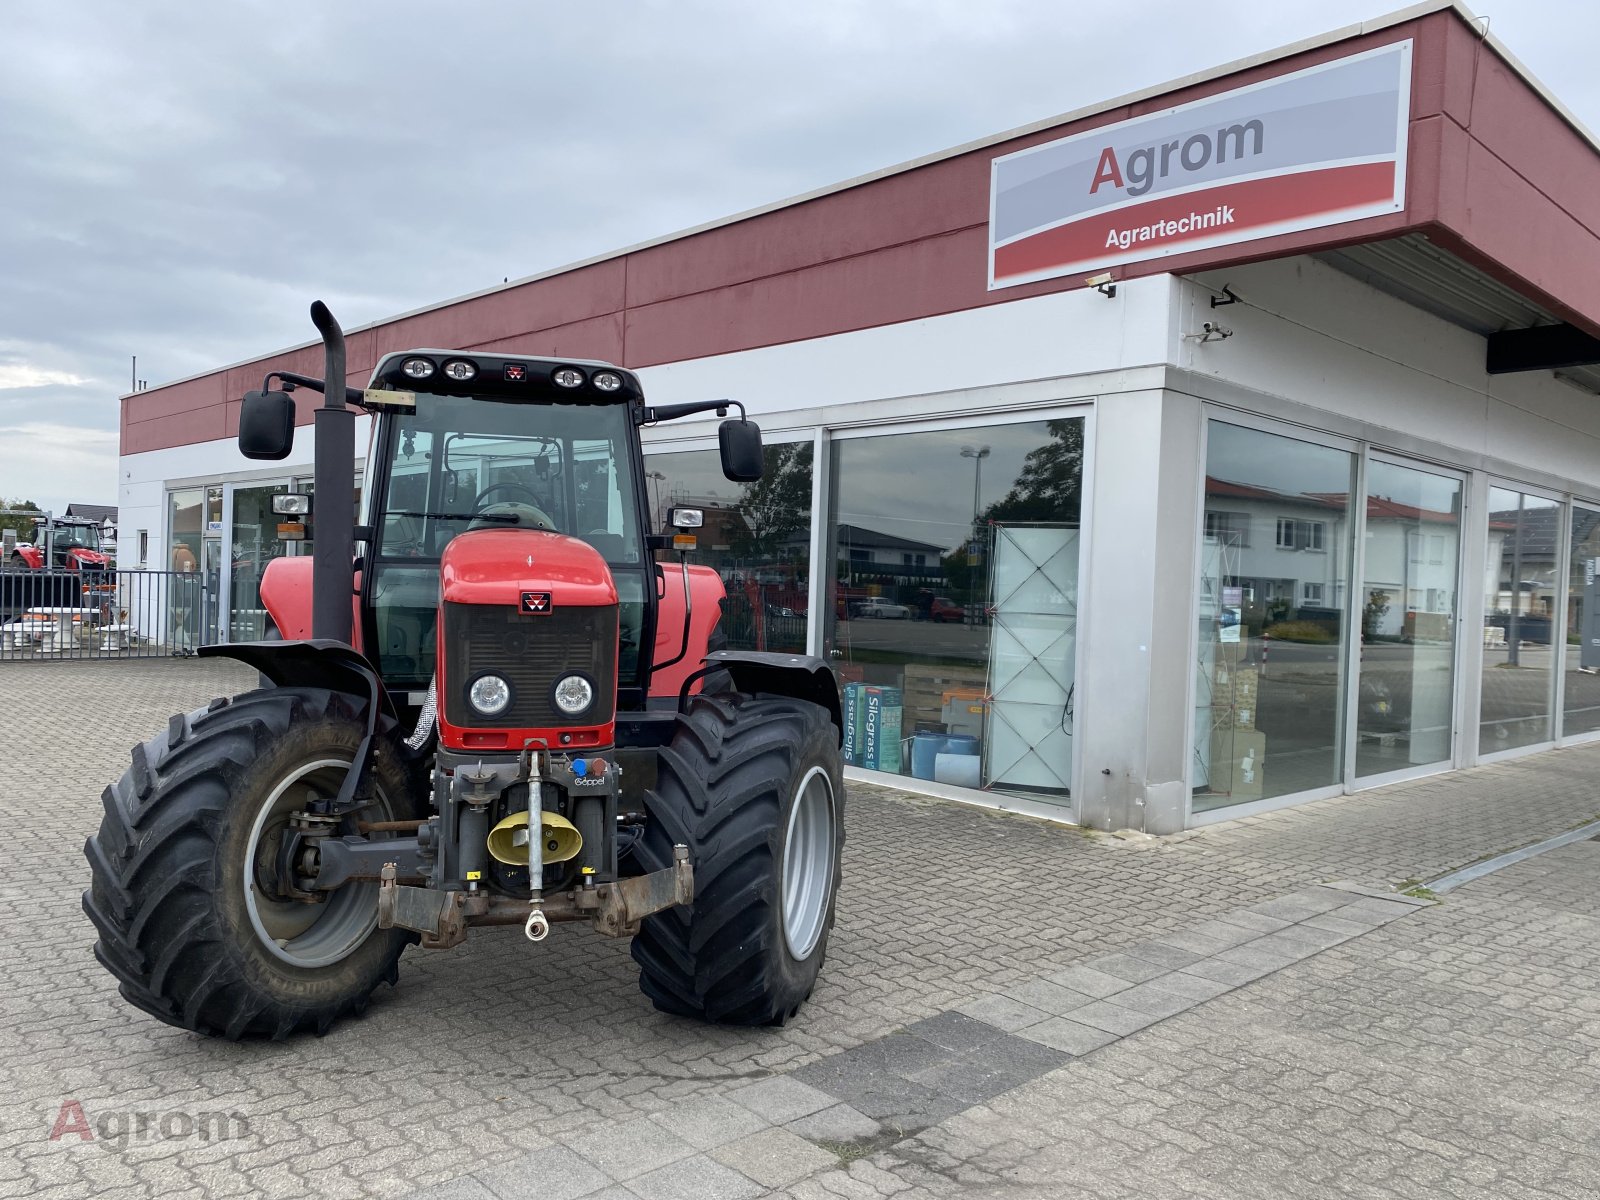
(1050,485)
(14,515)
(777,506)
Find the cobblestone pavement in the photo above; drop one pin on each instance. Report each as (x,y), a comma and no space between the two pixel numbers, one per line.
(1455,1053)
(493,1051)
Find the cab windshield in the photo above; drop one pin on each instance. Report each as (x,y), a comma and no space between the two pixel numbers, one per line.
(76,537)
(460,463)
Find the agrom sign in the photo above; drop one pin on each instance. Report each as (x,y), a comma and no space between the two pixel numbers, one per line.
(1320,147)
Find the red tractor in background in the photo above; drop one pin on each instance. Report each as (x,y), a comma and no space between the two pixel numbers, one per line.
(501,711)
(62,544)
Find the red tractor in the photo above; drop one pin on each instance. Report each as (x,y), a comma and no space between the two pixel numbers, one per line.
(62,544)
(501,711)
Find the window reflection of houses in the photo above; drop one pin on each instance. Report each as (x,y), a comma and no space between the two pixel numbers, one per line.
(1281,549)
(1520,569)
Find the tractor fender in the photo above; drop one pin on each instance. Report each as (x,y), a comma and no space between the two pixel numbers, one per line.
(330,664)
(802,676)
(311,662)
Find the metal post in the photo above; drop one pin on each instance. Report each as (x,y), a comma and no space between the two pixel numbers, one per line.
(335,428)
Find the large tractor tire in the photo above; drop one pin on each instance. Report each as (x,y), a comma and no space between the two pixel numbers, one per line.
(753,786)
(181,888)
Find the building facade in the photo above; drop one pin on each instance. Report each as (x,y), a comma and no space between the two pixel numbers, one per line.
(1225,446)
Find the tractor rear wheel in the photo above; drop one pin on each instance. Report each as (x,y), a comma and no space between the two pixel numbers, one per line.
(753,786)
(183,869)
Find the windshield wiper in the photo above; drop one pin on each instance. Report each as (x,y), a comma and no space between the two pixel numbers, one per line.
(508,518)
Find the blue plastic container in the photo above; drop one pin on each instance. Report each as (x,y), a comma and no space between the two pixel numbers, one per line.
(960,743)
(925,748)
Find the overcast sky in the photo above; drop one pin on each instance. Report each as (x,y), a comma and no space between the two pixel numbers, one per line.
(181,179)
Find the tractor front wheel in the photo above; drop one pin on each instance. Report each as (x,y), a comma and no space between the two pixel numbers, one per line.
(754,787)
(184,889)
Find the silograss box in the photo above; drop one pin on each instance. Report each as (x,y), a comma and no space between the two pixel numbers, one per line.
(854,715)
(878,745)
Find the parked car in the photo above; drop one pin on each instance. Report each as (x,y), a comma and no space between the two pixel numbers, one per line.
(946,609)
(878,607)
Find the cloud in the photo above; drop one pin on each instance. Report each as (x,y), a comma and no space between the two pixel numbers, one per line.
(24,375)
(384,156)
(55,465)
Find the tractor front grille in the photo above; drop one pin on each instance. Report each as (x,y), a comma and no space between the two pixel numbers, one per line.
(531,652)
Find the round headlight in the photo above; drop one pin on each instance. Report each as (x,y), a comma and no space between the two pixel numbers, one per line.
(568,377)
(607,381)
(573,694)
(459,369)
(489,695)
(417,368)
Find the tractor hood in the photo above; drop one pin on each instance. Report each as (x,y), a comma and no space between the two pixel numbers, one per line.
(517,566)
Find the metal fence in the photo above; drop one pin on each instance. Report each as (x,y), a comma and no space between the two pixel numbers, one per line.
(52,615)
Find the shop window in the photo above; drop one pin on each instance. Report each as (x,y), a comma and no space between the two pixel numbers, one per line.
(144,547)
(1406,686)
(1518,642)
(1270,675)
(757,536)
(952,621)
(1581,690)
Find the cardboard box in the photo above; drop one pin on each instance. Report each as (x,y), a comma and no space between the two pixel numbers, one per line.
(1238,763)
(879,748)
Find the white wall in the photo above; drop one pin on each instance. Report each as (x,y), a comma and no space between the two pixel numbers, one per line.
(1314,335)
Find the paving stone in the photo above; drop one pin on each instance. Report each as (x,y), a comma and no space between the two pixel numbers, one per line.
(1337,925)
(1002,1012)
(1381,911)
(954,1031)
(1221,931)
(1299,939)
(1259,922)
(1112,1018)
(1186,983)
(1069,1037)
(1050,998)
(465,1188)
(628,1148)
(1233,974)
(774,1157)
(1126,966)
(1320,898)
(552,1173)
(781,1099)
(709,1121)
(1287,909)
(1179,949)
(837,1126)
(697,1178)
(1253,954)
(1153,999)
(1089,981)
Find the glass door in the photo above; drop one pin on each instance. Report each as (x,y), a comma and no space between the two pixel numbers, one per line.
(1410,566)
(253,543)
(1519,593)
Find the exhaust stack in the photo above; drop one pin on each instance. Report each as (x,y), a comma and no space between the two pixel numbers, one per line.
(335,474)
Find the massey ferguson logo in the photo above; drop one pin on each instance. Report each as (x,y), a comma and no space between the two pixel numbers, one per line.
(536,602)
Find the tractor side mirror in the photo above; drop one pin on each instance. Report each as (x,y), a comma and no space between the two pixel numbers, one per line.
(740,443)
(266,425)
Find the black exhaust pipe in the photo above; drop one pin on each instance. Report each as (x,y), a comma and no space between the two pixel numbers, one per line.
(335,474)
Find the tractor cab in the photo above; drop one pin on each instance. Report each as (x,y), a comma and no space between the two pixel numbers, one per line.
(509,447)
(63,544)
